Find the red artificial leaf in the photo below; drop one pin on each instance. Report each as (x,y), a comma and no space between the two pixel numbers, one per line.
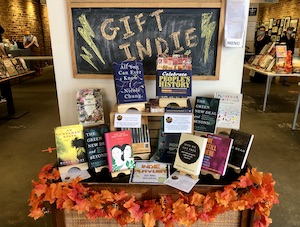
(136,213)
(95,213)
(197,199)
(245,181)
(263,221)
(120,196)
(82,205)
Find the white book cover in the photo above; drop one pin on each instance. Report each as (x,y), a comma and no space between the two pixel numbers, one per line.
(230,108)
(190,153)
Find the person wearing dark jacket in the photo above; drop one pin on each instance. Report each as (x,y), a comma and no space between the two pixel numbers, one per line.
(261,39)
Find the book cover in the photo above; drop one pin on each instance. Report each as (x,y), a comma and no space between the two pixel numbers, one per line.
(129,82)
(296,64)
(190,153)
(119,150)
(3,71)
(90,107)
(18,65)
(10,68)
(95,146)
(22,61)
(149,172)
(70,145)
(217,153)
(166,148)
(281,58)
(173,83)
(174,108)
(205,114)
(242,142)
(230,108)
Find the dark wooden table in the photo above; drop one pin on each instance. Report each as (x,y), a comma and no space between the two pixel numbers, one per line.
(5,86)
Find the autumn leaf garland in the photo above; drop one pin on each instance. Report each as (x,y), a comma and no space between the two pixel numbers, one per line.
(254,190)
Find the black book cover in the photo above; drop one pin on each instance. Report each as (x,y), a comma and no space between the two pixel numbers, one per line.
(95,145)
(240,148)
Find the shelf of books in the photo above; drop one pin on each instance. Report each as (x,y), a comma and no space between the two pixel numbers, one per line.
(156,166)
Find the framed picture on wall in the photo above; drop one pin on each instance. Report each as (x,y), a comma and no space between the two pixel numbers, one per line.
(271,23)
(282,23)
(278,38)
(278,21)
(294,24)
(273,38)
(286,23)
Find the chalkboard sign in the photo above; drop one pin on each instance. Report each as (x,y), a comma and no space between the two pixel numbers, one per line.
(102,35)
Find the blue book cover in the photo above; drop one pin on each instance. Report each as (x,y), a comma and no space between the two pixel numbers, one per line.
(173,83)
(129,82)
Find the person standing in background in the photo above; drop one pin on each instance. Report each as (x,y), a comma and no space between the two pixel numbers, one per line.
(289,41)
(261,39)
(30,41)
(1,32)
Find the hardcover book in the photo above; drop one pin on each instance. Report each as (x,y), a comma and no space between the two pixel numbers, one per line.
(242,142)
(95,146)
(70,146)
(3,71)
(281,58)
(90,107)
(205,114)
(230,108)
(119,150)
(173,83)
(10,68)
(174,108)
(129,82)
(166,148)
(149,172)
(190,153)
(217,153)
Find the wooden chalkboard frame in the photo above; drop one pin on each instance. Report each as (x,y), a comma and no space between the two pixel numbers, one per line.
(74,4)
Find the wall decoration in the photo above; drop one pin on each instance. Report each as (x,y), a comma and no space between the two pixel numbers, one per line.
(294,23)
(271,23)
(252,12)
(286,23)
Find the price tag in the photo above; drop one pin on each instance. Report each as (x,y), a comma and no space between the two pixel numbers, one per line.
(130,119)
(178,122)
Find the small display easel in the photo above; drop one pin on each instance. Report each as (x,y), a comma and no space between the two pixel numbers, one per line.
(195,177)
(181,102)
(116,173)
(214,175)
(140,106)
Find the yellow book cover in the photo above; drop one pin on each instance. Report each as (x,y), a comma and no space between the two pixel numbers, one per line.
(70,145)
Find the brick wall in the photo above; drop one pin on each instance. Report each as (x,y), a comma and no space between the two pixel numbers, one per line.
(16,16)
(280,10)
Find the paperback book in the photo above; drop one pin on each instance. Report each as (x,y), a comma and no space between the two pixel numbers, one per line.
(90,107)
(95,146)
(281,55)
(166,148)
(190,153)
(3,71)
(18,65)
(217,153)
(242,142)
(205,114)
(10,68)
(129,82)
(149,172)
(229,112)
(70,146)
(119,150)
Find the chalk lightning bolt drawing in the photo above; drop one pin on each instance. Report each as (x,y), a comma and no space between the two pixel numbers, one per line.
(207,30)
(87,34)
(87,56)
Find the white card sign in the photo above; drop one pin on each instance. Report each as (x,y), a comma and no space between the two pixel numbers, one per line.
(130,119)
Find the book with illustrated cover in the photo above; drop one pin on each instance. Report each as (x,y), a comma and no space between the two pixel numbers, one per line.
(18,65)
(95,146)
(129,82)
(217,153)
(205,114)
(90,107)
(174,62)
(10,68)
(22,61)
(119,150)
(229,112)
(242,142)
(70,146)
(296,64)
(3,71)
(149,172)
(166,148)
(281,55)
(190,154)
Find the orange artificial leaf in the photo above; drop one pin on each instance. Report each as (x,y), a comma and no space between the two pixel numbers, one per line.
(82,205)
(120,196)
(148,220)
(129,203)
(263,221)
(197,199)
(50,194)
(208,202)
(256,177)
(67,204)
(136,213)
(96,201)
(179,207)
(36,213)
(107,195)
(40,189)
(245,181)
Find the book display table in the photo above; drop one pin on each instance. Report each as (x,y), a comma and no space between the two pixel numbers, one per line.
(206,184)
(5,87)
(270,76)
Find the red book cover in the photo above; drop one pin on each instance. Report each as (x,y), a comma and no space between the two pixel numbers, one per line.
(217,154)
(119,150)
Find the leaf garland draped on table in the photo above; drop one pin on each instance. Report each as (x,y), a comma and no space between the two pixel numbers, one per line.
(254,190)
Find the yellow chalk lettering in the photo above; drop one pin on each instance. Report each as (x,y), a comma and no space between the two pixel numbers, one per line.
(175,38)
(126,49)
(157,17)
(142,49)
(114,30)
(188,37)
(158,42)
(128,33)
(139,23)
